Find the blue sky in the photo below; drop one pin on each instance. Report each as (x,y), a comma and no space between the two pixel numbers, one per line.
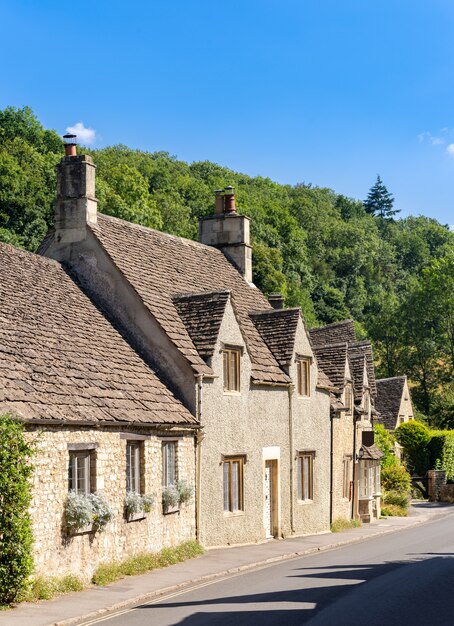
(320,91)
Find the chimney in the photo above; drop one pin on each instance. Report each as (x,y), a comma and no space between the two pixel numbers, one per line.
(229,232)
(75,205)
(276,300)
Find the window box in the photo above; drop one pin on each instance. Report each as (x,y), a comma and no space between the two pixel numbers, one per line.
(137,505)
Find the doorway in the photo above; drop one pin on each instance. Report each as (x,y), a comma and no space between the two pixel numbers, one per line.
(270,498)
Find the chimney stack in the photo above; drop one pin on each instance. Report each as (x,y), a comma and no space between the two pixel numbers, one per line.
(276,300)
(75,205)
(229,232)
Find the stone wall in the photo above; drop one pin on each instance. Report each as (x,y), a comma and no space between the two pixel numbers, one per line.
(447,493)
(437,478)
(57,553)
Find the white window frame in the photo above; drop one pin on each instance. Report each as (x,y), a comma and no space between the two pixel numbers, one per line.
(169,463)
(133,466)
(79,471)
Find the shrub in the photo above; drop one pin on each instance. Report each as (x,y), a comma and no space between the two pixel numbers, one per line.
(136,502)
(395,478)
(185,491)
(87,509)
(414,439)
(16,538)
(441,450)
(170,496)
(384,441)
(46,588)
(392,510)
(396,498)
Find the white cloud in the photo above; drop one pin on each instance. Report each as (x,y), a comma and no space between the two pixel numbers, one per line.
(85,135)
(450,149)
(433,139)
(451,228)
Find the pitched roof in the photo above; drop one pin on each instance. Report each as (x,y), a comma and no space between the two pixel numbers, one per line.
(389,397)
(160,266)
(202,315)
(338,332)
(278,329)
(365,348)
(357,361)
(60,359)
(370,453)
(332,360)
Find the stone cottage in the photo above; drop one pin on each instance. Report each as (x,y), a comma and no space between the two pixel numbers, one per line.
(393,402)
(243,369)
(98,415)
(356,469)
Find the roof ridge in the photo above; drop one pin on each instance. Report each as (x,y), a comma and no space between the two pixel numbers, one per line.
(198,294)
(272,311)
(154,230)
(381,380)
(333,324)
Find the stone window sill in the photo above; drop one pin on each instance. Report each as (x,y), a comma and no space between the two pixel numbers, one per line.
(89,528)
(305,502)
(167,510)
(233,513)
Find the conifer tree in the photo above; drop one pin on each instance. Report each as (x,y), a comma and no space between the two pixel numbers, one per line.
(380,201)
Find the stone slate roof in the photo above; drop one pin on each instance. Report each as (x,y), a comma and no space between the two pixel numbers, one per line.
(387,402)
(370,453)
(61,360)
(365,348)
(202,315)
(332,360)
(278,329)
(160,266)
(338,332)
(357,361)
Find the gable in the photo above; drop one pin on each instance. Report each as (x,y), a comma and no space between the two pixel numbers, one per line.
(277,328)
(389,399)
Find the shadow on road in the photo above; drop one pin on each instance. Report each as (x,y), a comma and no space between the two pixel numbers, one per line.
(292,605)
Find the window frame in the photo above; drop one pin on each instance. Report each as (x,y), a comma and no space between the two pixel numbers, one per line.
(301,473)
(229,462)
(303,375)
(134,473)
(231,355)
(81,459)
(165,446)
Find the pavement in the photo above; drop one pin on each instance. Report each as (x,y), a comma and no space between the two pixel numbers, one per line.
(97,602)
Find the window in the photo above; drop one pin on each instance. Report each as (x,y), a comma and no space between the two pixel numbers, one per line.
(231,357)
(306,475)
(133,454)
(366,478)
(346,484)
(349,399)
(169,460)
(233,484)
(81,466)
(303,366)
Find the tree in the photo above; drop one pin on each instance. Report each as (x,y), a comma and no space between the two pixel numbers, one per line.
(380,201)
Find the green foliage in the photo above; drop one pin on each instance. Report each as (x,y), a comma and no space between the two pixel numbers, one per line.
(379,201)
(395,478)
(145,562)
(393,510)
(414,438)
(397,498)
(341,523)
(384,440)
(15,494)
(441,450)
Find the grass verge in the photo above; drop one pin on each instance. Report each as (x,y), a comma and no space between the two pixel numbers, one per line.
(145,562)
(46,588)
(341,523)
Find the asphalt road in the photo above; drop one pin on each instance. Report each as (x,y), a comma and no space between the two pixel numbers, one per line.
(405,578)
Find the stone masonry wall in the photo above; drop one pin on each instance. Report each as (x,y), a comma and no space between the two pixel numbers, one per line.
(56,553)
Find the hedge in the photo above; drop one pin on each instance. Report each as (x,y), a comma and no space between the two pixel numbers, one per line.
(15,494)
(441,450)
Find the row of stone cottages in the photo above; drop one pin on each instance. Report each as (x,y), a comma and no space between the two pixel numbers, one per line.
(144,364)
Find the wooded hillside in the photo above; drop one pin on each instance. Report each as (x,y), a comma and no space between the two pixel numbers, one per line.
(321,250)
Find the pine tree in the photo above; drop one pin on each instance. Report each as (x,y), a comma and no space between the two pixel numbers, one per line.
(380,201)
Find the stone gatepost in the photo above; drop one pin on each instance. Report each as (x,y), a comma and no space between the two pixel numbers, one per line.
(437,478)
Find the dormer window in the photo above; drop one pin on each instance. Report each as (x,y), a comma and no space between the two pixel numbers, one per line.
(231,361)
(303,372)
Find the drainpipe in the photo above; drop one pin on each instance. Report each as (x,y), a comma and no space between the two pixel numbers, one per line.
(355,477)
(198,453)
(331,469)
(291,390)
